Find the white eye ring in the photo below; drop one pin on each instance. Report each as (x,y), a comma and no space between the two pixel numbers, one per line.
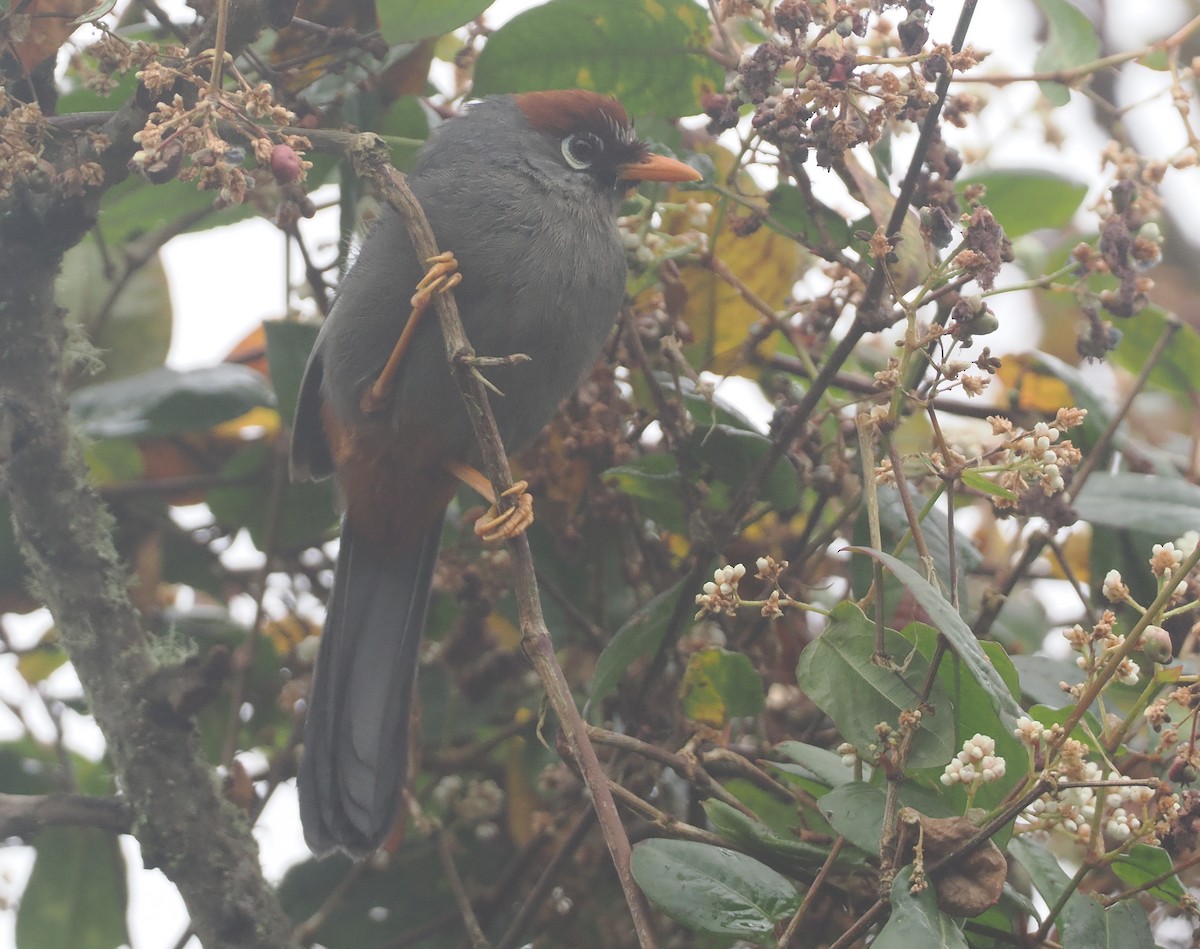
(586,142)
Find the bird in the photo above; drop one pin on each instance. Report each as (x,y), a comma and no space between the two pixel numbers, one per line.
(522,192)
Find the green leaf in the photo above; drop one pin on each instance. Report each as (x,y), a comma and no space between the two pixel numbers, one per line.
(1145,863)
(1176,369)
(76,894)
(305,510)
(840,674)
(288,346)
(37,664)
(719,685)
(1156,59)
(166,401)
(654,480)
(402,21)
(1040,676)
(974,714)
(733,454)
(946,620)
(641,635)
(83,99)
(790,854)
(913,255)
(1082,918)
(712,889)
(1126,926)
(778,812)
(113,460)
(894,521)
(707,409)
(133,329)
(802,218)
(644,52)
(817,764)
(916,920)
(1026,200)
(1151,504)
(411,891)
(96,13)
(134,207)
(980,482)
(855,811)
(1071,41)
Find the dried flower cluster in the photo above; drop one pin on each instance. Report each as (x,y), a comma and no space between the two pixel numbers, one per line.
(204,127)
(24,137)
(1036,457)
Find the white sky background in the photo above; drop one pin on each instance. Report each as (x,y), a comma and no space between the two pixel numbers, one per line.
(225,281)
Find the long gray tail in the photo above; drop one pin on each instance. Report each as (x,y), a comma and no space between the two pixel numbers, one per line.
(356,734)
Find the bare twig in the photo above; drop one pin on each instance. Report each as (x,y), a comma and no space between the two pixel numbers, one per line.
(549,877)
(466,912)
(23,815)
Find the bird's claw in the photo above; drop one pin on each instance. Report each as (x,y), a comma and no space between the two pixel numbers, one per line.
(503,525)
(441,276)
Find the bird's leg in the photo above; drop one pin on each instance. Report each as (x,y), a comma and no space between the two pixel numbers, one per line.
(496,525)
(441,276)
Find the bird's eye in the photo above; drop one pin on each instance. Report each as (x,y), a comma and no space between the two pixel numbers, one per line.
(581,149)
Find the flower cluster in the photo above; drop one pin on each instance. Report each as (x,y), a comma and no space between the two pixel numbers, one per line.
(1165,560)
(109,56)
(202,133)
(977,763)
(1128,809)
(721,593)
(1029,731)
(1095,648)
(1036,457)
(476,802)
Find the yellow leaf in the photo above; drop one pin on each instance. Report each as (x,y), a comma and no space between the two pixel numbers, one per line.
(913,261)
(285,634)
(249,425)
(766,263)
(1030,389)
(1077,552)
(520,795)
(701,698)
(503,632)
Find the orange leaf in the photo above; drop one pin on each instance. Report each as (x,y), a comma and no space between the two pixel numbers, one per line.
(42,27)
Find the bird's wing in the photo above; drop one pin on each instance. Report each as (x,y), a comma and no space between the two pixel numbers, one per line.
(310,458)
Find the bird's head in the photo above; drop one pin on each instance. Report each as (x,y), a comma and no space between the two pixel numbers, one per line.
(594,137)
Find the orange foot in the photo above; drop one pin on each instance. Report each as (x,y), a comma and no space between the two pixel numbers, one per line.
(441,276)
(496,526)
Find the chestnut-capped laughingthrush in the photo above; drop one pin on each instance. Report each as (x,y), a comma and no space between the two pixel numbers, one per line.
(523,192)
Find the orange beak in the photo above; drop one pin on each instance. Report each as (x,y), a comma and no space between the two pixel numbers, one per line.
(658,168)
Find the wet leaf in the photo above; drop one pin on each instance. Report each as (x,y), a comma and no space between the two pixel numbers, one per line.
(644,52)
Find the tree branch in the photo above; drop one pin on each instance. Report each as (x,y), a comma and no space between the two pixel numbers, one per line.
(66,538)
(24,815)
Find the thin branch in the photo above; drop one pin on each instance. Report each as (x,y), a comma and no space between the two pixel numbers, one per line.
(789,934)
(548,878)
(466,912)
(24,815)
